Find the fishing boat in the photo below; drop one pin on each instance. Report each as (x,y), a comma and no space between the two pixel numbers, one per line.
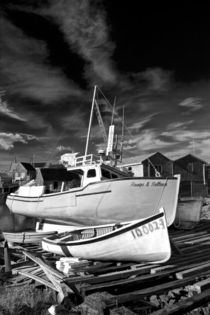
(94,190)
(26,236)
(140,241)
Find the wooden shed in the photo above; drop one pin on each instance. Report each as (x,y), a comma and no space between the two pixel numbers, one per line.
(194,178)
(157,164)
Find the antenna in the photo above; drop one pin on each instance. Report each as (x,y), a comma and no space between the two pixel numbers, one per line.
(113,111)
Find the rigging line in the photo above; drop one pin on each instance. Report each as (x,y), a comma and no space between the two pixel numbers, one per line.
(157,174)
(158,203)
(111,107)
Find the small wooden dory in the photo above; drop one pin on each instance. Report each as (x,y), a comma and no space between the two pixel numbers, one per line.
(26,237)
(140,241)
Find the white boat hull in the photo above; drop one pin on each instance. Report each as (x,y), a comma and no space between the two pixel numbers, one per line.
(145,241)
(26,237)
(102,202)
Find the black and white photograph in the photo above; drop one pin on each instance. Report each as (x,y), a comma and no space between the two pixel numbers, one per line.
(104,157)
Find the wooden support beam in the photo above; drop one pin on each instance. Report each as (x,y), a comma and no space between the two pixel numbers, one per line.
(201,286)
(193,271)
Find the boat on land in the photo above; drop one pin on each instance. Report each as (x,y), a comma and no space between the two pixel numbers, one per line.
(93,190)
(26,236)
(140,241)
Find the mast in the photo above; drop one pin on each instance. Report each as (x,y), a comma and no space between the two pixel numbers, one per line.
(90,121)
(100,121)
(122,135)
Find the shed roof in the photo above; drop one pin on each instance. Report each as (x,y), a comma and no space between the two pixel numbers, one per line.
(28,166)
(156,155)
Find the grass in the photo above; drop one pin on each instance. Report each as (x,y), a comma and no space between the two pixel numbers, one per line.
(24,300)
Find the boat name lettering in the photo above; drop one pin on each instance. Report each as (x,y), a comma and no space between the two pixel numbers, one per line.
(148,228)
(147,184)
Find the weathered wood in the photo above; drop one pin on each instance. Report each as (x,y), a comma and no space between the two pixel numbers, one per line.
(110,276)
(38,279)
(201,286)
(42,264)
(185,305)
(179,266)
(193,271)
(145,279)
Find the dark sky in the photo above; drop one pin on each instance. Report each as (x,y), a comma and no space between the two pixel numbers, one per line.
(154,58)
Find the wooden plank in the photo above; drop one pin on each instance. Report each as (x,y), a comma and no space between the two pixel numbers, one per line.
(38,279)
(193,271)
(145,279)
(42,264)
(108,277)
(185,305)
(201,286)
(158,289)
(179,266)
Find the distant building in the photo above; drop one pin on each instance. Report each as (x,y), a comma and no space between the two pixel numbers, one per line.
(193,175)
(157,165)
(22,172)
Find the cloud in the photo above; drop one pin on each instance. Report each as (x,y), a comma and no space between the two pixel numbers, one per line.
(62,148)
(4,109)
(140,124)
(85,28)
(191,104)
(147,140)
(182,135)
(25,70)
(154,79)
(7,140)
(181,125)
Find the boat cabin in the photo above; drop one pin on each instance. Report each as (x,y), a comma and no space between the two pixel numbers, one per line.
(81,173)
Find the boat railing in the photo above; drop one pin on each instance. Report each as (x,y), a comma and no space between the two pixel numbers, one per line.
(86,160)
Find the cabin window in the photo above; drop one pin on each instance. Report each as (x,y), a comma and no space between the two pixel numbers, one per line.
(114,175)
(55,185)
(91,173)
(105,174)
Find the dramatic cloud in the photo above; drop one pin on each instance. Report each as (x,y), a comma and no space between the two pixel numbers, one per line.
(140,124)
(7,140)
(191,104)
(183,135)
(4,109)
(86,31)
(26,71)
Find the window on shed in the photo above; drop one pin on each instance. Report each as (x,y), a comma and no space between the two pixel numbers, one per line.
(159,168)
(91,173)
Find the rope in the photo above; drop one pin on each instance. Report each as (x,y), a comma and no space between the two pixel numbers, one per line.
(158,203)
(157,174)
